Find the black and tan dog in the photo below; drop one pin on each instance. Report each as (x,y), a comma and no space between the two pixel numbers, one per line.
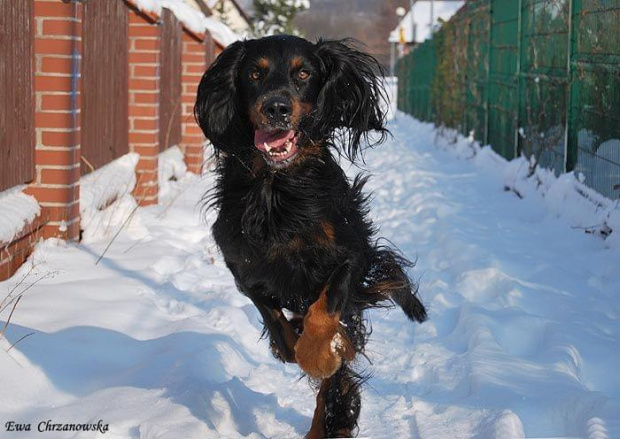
(292,228)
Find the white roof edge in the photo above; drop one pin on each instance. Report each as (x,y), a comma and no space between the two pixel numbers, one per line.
(193,19)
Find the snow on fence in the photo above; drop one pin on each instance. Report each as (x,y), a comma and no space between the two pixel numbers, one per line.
(90,87)
(539,78)
(105,197)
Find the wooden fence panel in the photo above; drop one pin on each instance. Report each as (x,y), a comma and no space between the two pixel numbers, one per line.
(105,83)
(209,49)
(17,138)
(171,71)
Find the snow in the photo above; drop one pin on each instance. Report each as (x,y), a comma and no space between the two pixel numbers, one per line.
(171,167)
(390,85)
(192,19)
(336,343)
(106,202)
(566,197)
(443,10)
(17,210)
(522,341)
(220,32)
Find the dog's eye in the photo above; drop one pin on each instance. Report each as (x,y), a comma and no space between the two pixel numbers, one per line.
(255,75)
(303,75)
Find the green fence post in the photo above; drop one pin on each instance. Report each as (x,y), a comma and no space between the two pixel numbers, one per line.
(517,150)
(568,165)
(488,81)
(574,88)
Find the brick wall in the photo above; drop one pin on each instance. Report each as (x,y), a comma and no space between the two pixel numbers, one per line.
(57,84)
(144,84)
(15,253)
(194,64)
(57,49)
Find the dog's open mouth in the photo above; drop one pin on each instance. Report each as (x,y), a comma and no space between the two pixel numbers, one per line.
(279,146)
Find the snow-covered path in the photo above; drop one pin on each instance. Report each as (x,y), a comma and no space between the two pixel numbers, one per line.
(523,337)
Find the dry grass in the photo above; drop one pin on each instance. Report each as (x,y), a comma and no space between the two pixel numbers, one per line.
(14,296)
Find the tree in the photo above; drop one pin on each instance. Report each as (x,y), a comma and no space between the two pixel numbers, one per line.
(223,15)
(276,16)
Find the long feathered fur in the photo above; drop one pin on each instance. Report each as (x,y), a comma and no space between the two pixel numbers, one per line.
(288,234)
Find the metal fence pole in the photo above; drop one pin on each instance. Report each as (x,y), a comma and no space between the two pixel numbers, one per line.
(488,82)
(569,60)
(518,73)
(432,17)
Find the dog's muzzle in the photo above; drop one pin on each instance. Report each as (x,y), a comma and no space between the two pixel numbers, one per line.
(279,146)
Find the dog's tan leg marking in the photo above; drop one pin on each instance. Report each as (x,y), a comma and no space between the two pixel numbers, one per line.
(323,344)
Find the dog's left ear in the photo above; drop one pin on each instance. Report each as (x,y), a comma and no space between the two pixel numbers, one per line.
(217,109)
(352,97)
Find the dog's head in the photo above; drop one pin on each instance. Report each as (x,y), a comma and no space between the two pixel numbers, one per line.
(280,95)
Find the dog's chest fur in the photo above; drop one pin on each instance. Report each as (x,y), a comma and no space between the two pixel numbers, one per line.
(277,231)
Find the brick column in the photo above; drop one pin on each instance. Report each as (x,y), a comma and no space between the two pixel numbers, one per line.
(57,49)
(194,65)
(144,83)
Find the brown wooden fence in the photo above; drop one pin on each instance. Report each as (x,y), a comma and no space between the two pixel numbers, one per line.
(85,82)
(17,138)
(171,68)
(105,95)
(210,54)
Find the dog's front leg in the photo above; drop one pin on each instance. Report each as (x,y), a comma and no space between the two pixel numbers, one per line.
(324,344)
(282,336)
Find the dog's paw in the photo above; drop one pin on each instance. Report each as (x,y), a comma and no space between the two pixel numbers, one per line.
(320,353)
(323,343)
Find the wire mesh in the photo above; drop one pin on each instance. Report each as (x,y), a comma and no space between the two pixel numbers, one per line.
(594,146)
(534,77)
(503,78)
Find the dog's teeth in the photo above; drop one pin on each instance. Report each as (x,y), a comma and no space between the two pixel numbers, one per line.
(267,147)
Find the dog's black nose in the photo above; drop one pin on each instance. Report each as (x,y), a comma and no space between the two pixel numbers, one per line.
(277,109)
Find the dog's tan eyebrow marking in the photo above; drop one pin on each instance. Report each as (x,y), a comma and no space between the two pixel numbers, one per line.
(263,63)
(297,62)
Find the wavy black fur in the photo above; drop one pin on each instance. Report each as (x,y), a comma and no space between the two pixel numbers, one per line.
(288,232)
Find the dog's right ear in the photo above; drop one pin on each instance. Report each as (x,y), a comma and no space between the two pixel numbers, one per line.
(217,103)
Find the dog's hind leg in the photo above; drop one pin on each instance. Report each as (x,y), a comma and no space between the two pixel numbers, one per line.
(338,406)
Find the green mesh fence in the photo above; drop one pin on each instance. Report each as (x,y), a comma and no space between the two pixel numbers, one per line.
(594,134)
(503,78)
(533,77)
(417,74)
(543,81)
(448,83)
(477,25)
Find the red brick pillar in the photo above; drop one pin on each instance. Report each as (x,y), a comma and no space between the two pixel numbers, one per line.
(144,83)
(194,65)
(57,49)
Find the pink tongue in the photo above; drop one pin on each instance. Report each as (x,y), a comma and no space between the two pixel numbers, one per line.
(275,139)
